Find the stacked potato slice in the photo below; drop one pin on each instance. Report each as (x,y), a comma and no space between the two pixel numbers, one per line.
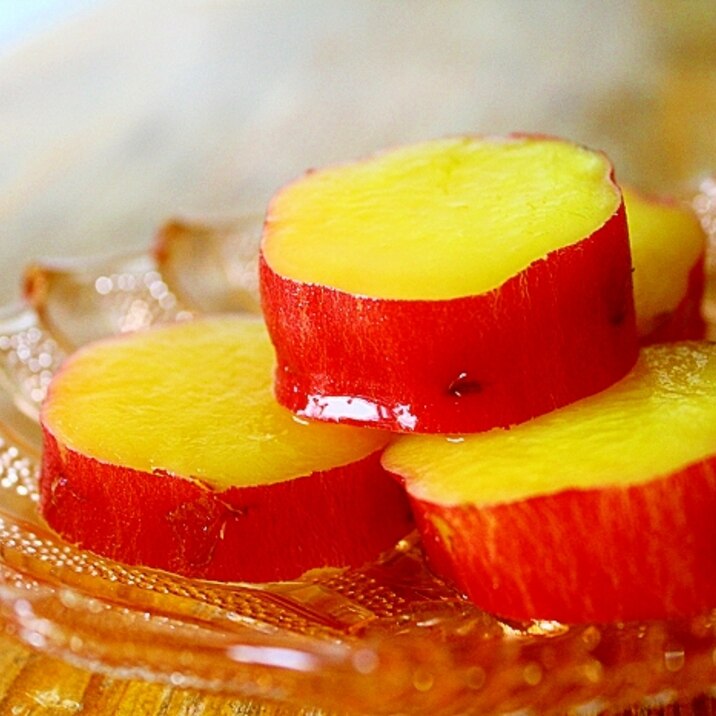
(452,286)
(477,289)
(166,448)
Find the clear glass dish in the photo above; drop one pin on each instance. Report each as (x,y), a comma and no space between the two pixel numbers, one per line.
(386,638)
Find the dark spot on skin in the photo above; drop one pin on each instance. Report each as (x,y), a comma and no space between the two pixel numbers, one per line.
(236,511)
(618,301)
(60,487)
(660,319)
(617,318)
(463,385)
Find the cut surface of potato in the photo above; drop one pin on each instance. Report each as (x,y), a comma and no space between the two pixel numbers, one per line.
(193,400)
(668,246)
(439,220)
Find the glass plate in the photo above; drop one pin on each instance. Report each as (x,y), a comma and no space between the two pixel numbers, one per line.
(386,638)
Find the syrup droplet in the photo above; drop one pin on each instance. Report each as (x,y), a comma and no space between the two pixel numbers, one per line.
(591,637)
(464,385)
(475,678)
(423,680)
(593,671)
(674,659)
(532,674)
(365,661)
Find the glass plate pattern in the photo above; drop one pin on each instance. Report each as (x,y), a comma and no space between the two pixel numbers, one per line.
(386,638)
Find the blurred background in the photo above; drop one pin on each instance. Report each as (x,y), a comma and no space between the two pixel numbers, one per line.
(117,114)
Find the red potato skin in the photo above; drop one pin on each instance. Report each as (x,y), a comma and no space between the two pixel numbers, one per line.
(341,517)
(594,556)
(561,329)
(686,321)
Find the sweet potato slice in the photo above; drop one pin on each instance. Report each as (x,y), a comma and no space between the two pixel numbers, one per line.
(167,449)
(601,511)
(668,248)
(451,286)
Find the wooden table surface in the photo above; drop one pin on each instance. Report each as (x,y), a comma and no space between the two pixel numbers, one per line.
(139,110)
